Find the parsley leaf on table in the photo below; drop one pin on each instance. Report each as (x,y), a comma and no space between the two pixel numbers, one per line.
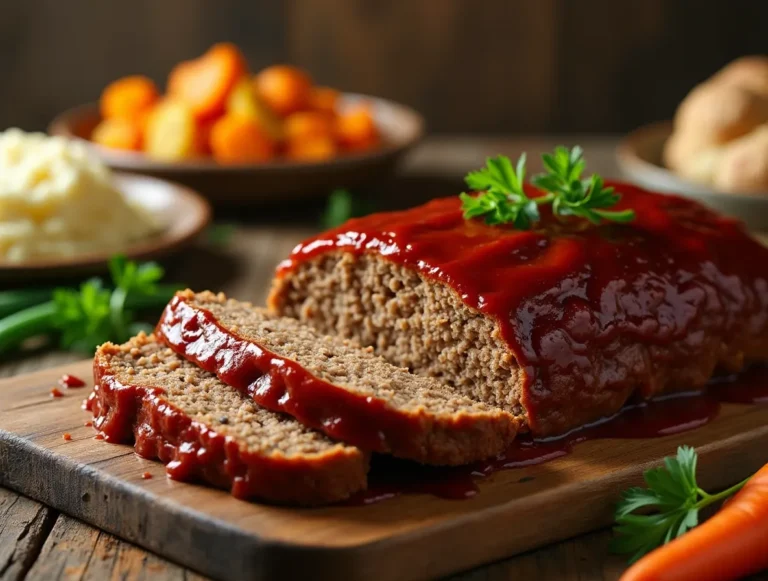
(343,205)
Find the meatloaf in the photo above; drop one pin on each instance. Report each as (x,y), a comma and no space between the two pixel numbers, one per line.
(559,325)
(205,430)
(343,390)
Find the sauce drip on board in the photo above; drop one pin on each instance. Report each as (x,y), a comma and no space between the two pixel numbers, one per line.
(390,477)
(70,381)
(750,386)
(683,284)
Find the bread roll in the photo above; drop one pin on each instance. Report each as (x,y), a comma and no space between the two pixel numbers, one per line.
(720,112)
(750,72)
(743,166)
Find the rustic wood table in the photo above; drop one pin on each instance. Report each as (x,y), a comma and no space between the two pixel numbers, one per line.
(39,543)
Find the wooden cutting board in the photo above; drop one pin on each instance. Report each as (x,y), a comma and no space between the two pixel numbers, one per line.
(407,537)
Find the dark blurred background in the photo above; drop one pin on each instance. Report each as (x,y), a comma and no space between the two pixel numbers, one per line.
(481,66)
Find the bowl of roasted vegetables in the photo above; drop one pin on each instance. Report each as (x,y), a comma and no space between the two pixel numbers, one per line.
(239,136)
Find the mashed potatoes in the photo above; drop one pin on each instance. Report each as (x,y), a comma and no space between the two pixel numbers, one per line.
(57,201)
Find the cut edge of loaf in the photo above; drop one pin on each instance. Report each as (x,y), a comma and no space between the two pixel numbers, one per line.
(417,429)
(128,405)
(411,321)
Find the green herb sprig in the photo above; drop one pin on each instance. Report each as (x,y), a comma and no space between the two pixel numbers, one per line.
(503,200)
(343,205)
(86,317)
(675,498)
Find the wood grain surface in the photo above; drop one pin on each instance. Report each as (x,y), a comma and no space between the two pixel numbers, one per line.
(24,525)
(408,537)
(74,550)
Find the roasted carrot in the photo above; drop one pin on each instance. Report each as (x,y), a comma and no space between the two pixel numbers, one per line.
(236,139)
(118,133)
(730,545)
(203,136)
(284,88)
(172,132)
(308,125)
(128,97)
(205,83)
(245,102)
(324,99)
(356,129)
(315,148)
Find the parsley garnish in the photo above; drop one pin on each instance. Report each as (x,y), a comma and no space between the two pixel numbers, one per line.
(503,200)
(673,493)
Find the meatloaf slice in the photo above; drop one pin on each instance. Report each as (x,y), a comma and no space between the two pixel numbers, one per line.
(330,385)
(204,430)
(561,324)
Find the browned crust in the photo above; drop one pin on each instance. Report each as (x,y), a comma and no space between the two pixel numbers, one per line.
(126,412)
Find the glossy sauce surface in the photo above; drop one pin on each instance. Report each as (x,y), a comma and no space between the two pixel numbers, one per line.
(280,384)
(191,451)
(680,281)
(70,381)
(657,418)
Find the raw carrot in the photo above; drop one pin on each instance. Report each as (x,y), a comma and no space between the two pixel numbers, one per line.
(128,97)
(244,101)
(236,139)
(205,83)
(356,129)
(172,132)
(730,545)
(284,88)
(118,133)
(324,99)
(315,148)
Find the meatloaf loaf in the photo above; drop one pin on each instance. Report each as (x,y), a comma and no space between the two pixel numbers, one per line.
(561,324)
(205,430)
(343,390)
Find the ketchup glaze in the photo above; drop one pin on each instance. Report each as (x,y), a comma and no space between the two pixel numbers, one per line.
(70,381)
(592,314)
(125,413)
(280,384)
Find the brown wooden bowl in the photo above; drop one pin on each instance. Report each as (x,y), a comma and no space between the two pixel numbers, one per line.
(182,212)
(401,128)
(639,156)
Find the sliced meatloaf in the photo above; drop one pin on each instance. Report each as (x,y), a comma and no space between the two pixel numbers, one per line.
(204,430)
(559,325)
(330,385)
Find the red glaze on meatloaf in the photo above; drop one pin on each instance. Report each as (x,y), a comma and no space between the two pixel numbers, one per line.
(571,319)
(205,430)
(347,392)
